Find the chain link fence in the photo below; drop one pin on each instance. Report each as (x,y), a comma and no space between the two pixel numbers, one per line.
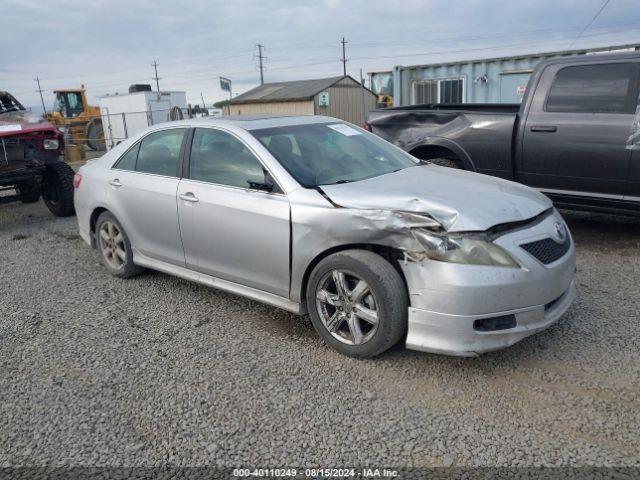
(120,126)
(103,132)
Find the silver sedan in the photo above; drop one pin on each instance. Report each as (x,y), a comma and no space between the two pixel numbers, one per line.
(317,216)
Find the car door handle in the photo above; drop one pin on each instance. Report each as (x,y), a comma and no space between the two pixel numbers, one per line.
(544,128)
(188,197)
(115,183)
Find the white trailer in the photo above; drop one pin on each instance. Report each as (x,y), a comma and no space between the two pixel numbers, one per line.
(124,115)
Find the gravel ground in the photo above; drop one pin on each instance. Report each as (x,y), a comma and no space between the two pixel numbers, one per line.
(155,370)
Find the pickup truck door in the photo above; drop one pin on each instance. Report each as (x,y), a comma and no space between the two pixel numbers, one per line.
(634,190)
(576,132)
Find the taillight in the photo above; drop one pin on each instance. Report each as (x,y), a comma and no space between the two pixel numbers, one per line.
(367,127)
(77,178)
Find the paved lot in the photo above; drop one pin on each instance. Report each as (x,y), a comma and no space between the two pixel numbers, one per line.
(100,371)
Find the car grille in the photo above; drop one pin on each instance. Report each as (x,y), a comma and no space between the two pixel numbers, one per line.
(547,250)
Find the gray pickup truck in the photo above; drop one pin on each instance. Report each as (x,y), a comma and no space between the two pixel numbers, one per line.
(576,135)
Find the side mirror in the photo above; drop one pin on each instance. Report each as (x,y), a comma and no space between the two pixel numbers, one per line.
(266,186)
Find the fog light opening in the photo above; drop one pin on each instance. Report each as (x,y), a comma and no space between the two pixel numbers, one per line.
(494,323)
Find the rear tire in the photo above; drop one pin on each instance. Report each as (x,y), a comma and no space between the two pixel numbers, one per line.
(57,189)
(447,162)
(114,247)
(368,313)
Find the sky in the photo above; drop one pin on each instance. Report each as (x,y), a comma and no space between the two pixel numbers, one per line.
(108,45)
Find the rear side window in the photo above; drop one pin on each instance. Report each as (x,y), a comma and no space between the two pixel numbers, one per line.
(128,160)
(219,157)
(159,152)
(604,88)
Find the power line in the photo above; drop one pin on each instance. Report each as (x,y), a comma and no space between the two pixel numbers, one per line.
(604,5)
(344,57)
(286,64)
(357,45)
(156,78)
(44,109)
(260,57)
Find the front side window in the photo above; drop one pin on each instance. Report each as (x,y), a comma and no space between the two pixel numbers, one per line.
(329,153)
(219,157)
(604,88)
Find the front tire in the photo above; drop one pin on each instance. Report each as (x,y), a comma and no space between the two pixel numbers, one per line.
(57,190)
(114,247)
(357,303)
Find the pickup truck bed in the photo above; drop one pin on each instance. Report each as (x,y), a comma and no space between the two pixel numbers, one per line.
(479,135)
(576,135)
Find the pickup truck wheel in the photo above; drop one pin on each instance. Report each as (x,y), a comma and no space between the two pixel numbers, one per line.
(57,189)
(114,247)
(447,162)
(357,303)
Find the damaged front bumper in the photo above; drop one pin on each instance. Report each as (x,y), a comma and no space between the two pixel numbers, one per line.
(467,310)
(449,334)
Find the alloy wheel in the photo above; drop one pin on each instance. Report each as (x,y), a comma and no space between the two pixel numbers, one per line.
(112,245)
(347,307)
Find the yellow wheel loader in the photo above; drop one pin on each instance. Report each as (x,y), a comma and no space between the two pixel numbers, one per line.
(76,118)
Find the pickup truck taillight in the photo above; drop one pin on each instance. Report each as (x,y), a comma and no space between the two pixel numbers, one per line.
(367,127)
(77,178)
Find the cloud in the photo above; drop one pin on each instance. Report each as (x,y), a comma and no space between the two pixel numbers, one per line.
(110,44)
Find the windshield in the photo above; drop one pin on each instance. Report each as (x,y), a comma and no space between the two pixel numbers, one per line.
(8,103)
(329,153)
(69,104)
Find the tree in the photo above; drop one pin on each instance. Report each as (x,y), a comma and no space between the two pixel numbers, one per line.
(221,104)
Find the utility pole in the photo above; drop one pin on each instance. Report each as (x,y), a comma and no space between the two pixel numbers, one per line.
(364,107)
(156,78)
(44,109)
(260,57)
(344,57)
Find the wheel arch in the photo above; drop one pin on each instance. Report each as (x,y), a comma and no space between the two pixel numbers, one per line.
(442,148)
(391,254)
(93,219)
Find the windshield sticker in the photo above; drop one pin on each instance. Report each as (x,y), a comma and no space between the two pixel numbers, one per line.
(344,129)
(10,128)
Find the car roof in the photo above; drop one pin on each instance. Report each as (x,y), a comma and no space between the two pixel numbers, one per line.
(256,122)
(596,58)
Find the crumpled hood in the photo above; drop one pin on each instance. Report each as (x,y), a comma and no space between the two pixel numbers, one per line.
(459,200)
(22,121)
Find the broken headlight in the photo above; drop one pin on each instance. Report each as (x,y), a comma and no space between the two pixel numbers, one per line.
(462,249)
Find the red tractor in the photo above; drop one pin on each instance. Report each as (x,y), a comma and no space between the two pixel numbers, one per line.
(31,163)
